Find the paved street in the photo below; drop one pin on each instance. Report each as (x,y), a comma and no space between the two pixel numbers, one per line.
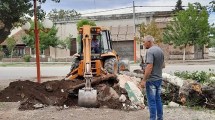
(29,72)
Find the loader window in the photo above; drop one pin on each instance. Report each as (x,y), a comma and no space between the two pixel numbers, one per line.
(104,42)
(80,43)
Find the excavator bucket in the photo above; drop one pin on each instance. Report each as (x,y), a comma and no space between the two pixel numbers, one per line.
(87,98)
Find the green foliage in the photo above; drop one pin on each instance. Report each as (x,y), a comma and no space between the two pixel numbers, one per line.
(27,58)
(14,12)
(212,43)
(47,39)
(66,43)
(151,29)
(11,44)
(188,27)
(63,14)
(200,76)
(85,22)
(212,37)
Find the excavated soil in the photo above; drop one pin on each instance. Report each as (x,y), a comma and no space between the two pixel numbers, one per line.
(33,95)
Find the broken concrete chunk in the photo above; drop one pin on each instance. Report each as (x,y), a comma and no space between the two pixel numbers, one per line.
(173,79)
(38,105)
(122,98)
(65,107)
(173,104)
(113,93)
(106,93)
(122,80)
(134,93)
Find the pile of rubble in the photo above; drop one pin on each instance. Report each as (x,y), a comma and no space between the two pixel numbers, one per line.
(113,93)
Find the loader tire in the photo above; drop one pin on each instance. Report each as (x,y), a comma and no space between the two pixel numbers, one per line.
(111,65)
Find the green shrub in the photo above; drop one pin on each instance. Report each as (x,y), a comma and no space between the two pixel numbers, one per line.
(199,76)
(27,58)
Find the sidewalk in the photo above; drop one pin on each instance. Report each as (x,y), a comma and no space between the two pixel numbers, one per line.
(205,61)
(202,61)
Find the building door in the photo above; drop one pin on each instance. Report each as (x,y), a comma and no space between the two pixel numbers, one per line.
(73,48)
(125,49)
(198,53)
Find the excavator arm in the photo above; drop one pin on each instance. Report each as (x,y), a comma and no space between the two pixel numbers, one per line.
(87,97)
(87,51)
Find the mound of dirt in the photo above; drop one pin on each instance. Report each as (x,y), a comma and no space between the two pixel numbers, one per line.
(57,93)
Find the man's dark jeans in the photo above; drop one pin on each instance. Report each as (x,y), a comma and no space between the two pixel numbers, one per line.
(153,92)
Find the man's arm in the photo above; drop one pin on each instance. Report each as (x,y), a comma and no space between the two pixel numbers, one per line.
(148,71)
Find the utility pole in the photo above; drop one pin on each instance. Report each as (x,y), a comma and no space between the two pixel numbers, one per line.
(134,18)
(37,42)
(134,33)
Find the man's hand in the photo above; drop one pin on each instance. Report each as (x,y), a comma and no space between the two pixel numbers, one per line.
(142,84)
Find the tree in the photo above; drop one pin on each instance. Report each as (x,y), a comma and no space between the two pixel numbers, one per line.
(11,44)
(151,29)
(47,39)
(178,6)
(63,14)
(85,22)
(189,27)
(66,43)
(13,13)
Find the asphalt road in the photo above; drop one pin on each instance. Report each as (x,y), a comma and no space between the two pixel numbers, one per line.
(30,72)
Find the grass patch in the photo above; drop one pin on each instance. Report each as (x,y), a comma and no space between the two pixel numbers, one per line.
(15,64)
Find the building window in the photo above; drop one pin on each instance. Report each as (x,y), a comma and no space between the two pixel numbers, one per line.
(19,51)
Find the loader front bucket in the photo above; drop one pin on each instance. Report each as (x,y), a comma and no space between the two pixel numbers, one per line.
(87,98)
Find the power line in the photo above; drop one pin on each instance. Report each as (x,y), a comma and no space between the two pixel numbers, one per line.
(158,6)
(124,8)
(107,10)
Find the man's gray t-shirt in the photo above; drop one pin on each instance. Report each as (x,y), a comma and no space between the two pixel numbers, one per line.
(155,56)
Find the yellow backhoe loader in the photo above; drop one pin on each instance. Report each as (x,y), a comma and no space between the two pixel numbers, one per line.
(91,63)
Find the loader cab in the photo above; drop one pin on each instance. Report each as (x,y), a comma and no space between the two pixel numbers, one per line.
(103,38)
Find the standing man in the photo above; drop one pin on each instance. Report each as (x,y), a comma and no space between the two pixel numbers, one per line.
(153,78)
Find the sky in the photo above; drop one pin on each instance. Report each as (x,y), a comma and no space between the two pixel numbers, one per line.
(88,7)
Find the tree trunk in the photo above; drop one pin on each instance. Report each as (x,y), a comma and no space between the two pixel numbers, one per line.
(55,54)
(11,56)
(184,54)
(66,56)
(188,92)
